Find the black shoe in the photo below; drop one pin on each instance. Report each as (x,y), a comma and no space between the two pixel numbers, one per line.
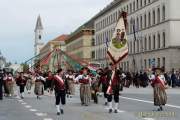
(161,109)
(58,113)
(62,111)
(110,110)
(115,111)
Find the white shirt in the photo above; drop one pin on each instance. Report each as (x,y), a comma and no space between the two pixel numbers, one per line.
(79,77)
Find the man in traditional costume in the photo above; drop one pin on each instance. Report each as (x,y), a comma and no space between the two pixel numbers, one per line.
(159,86)
(58,84)
(49,80)
(104,82)
(39,85)
(21,82)
(114,89)
(85,92)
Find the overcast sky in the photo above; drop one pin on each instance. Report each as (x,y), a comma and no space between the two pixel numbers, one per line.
(18,19)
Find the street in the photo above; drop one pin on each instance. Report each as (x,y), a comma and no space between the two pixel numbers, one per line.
(135,104)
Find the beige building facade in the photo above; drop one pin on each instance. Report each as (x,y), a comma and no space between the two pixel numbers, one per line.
(79,44)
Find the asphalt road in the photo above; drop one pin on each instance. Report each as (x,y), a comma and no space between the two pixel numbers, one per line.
(135,104)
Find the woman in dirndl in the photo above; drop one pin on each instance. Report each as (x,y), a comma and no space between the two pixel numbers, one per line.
(159,86)
(70,83)
(85,92)
(39,85)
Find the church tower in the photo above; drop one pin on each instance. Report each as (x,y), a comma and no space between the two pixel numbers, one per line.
(38,36)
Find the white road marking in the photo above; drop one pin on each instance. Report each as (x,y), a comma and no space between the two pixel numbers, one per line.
(20,100)
(146,101)
(41,114)
(23,103)
(47,119)
(33,110)
(27,106)
(148,118)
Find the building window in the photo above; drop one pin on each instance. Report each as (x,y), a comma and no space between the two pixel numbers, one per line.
(130,8)
(145,21)
(137,4)
(145,64)
(145,2)
(163,13)
(130,47)
(127,9)
(149,1)
(158,16)
(141,41)
(137,45)
(154,17)
(154,62)
(141,3)
(137,24)
(141,22)
(149,19)
(145,44)
(134,6)
(128,66)
(93,42)
(134,47)
(164,62)
(149,63)
(154,42)
(164,40)
(149,42)
(159,41)
(93,55)
(158,63)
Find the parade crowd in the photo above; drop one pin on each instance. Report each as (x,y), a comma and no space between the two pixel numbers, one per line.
(109,81)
